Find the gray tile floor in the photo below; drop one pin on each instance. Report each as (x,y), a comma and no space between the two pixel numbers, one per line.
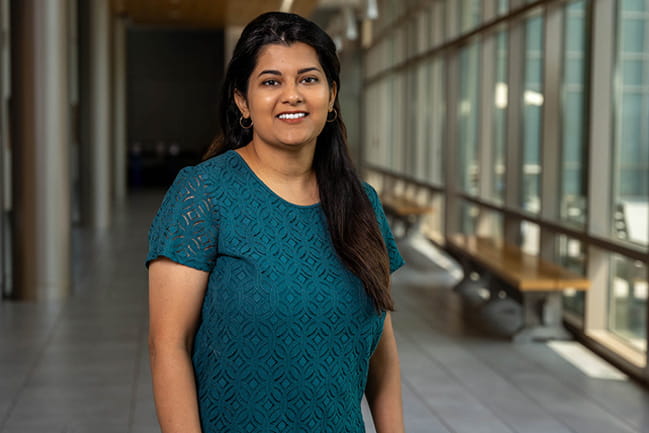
(81,366)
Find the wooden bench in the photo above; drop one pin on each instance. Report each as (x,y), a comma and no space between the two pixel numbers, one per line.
(537,284)
(406,210)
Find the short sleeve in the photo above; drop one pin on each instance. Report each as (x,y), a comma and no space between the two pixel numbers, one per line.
(185,229)
(396,261)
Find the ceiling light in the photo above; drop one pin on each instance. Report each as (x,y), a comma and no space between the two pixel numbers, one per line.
(371,10)
(351,32)
(286,6)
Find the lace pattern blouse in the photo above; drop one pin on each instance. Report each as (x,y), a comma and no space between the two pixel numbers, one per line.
(286,331)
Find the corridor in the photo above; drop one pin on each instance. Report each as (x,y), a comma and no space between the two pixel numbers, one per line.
(81,366)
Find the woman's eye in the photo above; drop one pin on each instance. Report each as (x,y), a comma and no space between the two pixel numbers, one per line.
(310,80)
(270,83)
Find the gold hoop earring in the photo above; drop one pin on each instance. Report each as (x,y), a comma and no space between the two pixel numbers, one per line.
(333,119)
(246,126)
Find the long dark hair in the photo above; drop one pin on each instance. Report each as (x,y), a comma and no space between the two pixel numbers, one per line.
(350,217)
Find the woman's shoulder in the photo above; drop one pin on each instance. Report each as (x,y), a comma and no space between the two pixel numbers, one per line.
(205,176)
(215,167)
(371,193)
(216,164)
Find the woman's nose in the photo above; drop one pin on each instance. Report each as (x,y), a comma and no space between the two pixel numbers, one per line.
(292,94)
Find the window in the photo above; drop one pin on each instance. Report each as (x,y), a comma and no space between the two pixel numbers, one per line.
(397,118)
(469,214)
(470,14)
(422,116)
(530,238)
(503,6)
(572,256)
(499,120)
(468,109)
(438,20)
(574,158)
(532,114)
(436,117)
(433,223)
(631,142)
(628,300)
(490,224)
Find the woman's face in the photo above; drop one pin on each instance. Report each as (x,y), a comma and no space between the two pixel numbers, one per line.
(288,96)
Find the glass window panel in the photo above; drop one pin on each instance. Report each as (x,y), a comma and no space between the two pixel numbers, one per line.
(470,14)
(635,5)
(398,120)
(630,220)
(490,224)
(422,31)
(500,120)
(530,237)
(628,300)
(532,114)
(436,116)
(469,214)
(633,70)
(633,34)
(438,20)
(468,110)
(422,115)
(409,147)
(503,6)
(572,256)
(573,185)
(433,223)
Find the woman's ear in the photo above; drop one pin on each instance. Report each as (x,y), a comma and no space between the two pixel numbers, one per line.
(242,104)
(332,93)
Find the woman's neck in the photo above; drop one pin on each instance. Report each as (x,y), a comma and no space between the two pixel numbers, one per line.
(289,174)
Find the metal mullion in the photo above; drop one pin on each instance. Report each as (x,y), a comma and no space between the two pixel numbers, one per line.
(489,10)
(488,50)
(600,168)
(513,157)
(451,185)
(456,40)
(551,142)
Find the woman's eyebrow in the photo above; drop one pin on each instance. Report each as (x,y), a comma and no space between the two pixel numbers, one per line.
(269,71)
(301,71)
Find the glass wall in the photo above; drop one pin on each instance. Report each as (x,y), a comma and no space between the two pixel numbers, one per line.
(571,254)
(435,121)
(627,308)
(470,14)
(497,118)
(468,110)
(574,156)
(532,114)
(631,142)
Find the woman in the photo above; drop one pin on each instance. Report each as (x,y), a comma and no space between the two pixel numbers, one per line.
(269,263)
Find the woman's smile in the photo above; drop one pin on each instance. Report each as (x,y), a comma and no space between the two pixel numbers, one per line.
(288,96)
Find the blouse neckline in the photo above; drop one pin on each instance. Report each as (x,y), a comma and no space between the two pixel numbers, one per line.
(247,168)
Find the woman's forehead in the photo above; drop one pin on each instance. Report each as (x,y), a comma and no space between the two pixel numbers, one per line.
(297,55)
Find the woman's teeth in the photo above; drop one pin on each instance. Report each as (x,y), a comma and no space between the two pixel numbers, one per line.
(292,116)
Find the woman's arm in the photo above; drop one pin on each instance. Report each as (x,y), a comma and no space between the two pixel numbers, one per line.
(175,297)
(383,390)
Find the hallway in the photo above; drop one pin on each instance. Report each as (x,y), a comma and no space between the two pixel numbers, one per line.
(82,366)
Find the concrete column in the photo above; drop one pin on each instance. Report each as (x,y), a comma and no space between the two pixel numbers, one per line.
(101,156)
(41,150)
(119,108)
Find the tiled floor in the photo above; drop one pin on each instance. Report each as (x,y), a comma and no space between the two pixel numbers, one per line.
(81,366)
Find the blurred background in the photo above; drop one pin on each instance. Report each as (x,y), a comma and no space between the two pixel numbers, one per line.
(523,120)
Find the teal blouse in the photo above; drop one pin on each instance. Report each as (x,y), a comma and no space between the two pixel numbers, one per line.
(286,331)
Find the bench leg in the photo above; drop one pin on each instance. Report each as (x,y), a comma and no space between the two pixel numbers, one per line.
(413,224)
(542,316)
